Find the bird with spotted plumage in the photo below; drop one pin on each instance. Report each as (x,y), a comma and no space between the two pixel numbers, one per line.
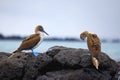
(94,46)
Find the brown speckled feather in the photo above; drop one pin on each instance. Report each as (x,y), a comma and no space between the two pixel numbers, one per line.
(94,44)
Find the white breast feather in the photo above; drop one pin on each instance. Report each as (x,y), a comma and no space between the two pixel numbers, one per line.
(41,39)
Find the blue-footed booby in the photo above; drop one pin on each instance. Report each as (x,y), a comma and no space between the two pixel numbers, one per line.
(33,41)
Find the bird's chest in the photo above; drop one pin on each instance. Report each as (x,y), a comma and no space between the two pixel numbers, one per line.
(41,36)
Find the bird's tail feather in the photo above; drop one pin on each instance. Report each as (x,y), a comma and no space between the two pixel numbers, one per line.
(14,54)
(15,51)
(95,62)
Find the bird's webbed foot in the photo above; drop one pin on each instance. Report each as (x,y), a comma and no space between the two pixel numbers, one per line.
(35,53)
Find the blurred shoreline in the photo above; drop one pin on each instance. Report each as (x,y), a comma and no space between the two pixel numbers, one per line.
(16,37)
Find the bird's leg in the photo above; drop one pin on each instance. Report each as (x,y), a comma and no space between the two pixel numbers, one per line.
(35,53)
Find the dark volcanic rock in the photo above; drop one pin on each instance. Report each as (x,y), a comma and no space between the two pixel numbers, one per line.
(13,68)
(117,75)
(3,55)
(58,63)
(78,74)
(35,65)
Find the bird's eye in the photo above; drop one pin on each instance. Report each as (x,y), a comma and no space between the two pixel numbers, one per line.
(42,30)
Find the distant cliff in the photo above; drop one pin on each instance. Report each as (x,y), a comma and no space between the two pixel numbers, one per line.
(2,37)
(58,63)
(16,37)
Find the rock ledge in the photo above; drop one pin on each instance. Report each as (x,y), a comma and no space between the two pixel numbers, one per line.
(58,63)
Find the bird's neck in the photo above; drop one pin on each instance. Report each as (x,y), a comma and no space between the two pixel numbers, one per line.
(40,33)
(87,34)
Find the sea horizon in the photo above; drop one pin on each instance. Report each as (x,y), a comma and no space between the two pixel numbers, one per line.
(112,49)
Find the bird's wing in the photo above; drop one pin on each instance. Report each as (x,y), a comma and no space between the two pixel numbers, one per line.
(29,38)
(29,42)
(94,44)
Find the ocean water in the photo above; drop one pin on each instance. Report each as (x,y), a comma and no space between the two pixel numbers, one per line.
(111,49)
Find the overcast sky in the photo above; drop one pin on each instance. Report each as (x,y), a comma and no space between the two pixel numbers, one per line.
(61,18)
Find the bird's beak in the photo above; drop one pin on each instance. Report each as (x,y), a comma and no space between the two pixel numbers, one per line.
(45,32)
(83,38)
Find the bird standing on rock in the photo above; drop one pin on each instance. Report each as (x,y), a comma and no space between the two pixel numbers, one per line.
(94,46)
(33,41)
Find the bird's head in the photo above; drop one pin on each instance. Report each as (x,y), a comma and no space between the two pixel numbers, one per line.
(83,35)
(95,62)
(39,28)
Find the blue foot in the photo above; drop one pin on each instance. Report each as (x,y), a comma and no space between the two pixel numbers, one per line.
(35,53)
